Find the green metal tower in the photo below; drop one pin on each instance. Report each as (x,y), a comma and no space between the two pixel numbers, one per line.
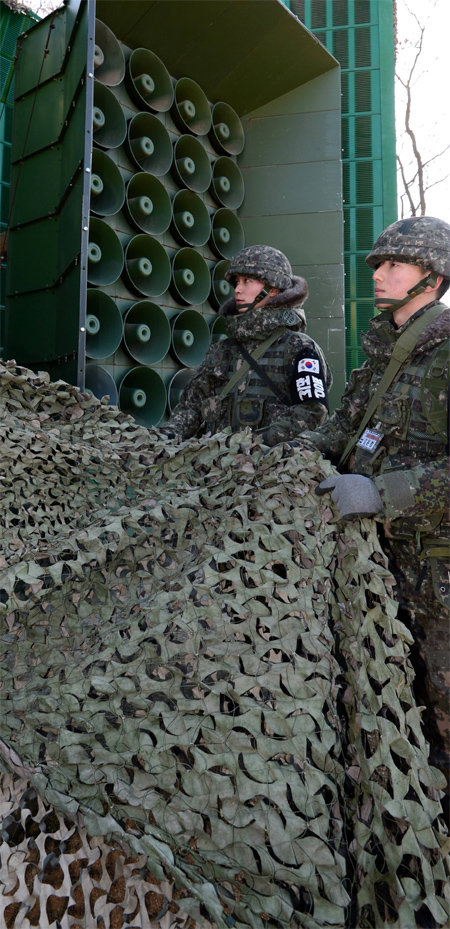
(12,24)
(360,35)
(163,142)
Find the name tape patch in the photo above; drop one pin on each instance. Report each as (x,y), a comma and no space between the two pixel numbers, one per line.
(370,440)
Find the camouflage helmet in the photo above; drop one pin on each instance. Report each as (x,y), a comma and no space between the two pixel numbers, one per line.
(421,240)
(263,263)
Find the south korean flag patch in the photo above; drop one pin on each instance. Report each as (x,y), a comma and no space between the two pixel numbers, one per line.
(308,364)
(309,381)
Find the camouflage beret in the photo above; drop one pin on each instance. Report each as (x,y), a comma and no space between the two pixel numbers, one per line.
(422,240)
(263,263)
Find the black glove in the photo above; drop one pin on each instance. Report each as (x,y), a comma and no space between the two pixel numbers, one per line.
(270,436)
(168,433)
(355,495)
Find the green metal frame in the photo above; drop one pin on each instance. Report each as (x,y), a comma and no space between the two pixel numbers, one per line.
(45,303)
(360,34)
(291,165)
(12,24)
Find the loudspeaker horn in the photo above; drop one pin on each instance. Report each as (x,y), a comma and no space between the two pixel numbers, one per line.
(218,328)
(227,133)
(147,266)
(99,382)
(176,385)
(107,185)
(148,81)
(104,326)
(227,234)
(190,277)
(190,338)
(104,252)
(109,59)
(147,332)
(191,224)
(221,289)
(109,126)
(227,185)
(191,109)
(148,204)
(191,166)
(148,144)
(142,394)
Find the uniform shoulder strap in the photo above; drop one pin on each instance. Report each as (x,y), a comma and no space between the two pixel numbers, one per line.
(401,352)
(434,382)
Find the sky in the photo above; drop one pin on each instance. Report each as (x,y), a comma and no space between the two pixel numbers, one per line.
(430,108)
(430,111)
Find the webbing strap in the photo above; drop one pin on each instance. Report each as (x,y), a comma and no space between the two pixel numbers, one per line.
(435,550)
(262,374)
(259,351)
(402,351)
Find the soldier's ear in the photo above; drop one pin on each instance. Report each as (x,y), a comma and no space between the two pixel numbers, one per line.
(436,282)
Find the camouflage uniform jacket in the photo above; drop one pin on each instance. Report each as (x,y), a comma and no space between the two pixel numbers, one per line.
(409,467)
(294,362)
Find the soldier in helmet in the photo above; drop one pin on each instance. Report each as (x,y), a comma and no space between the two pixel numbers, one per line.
(267,366)
(390,438)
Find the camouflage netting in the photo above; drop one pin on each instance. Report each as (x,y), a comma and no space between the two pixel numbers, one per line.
(206,716)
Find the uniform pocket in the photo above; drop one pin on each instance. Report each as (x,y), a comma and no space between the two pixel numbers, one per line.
(394,416)
(247,412)
(440,576)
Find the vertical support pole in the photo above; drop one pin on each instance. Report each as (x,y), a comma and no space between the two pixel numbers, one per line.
(87,167)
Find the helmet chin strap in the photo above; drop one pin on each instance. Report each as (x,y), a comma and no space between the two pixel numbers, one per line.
(428,281)
(264,292)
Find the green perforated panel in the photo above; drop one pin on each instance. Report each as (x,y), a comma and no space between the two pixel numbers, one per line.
(129,200)
(360,34)
(11,26)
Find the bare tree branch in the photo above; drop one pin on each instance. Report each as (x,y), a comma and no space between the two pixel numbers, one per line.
(408,127)
(440,181)
(435,157)
(40,7)
(414,174)
(407,188)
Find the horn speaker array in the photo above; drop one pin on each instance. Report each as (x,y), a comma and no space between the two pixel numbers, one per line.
(164,189)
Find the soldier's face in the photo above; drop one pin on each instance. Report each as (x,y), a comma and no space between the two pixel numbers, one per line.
(393,279)
(245,291)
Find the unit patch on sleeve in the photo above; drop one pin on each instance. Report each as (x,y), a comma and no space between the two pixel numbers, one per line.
(309,381)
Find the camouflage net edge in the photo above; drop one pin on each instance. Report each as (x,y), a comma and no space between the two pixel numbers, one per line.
(199,659)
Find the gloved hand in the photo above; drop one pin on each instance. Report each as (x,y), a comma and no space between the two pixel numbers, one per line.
(271,436)
(274,437)
(164,433)
(355,495)
(288,447)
